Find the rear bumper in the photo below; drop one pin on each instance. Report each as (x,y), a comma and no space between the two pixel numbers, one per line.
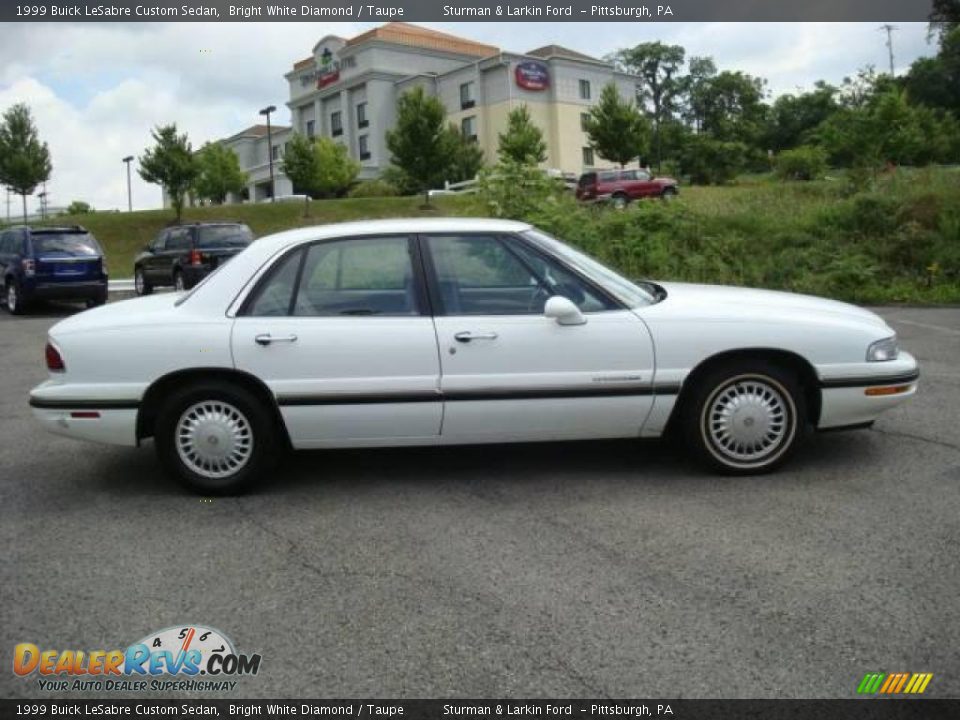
(192,274)
(108,426)
(87,289)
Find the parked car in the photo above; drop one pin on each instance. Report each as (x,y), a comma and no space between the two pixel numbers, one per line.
(621,186)
(183,255)
(51,263)
(455,331)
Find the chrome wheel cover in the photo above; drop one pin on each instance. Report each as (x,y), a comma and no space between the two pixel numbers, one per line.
(748,421)
(138,282)
(11,297)
(214,439)
(179,284)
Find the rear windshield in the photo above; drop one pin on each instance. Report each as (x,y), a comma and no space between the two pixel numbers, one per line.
(67,242)
(588,179)
(224,236)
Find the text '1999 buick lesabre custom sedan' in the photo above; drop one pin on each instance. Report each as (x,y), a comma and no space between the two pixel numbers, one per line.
(457,331)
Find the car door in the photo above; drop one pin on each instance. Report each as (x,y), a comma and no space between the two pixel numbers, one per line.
(340,332)
(508,372)
(152,263)
(6,246)
(179,242)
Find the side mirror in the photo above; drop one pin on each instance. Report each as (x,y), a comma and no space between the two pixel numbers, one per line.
(563,311)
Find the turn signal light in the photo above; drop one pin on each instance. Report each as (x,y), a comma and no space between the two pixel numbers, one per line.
(54,361)
(195,257)
(886,390)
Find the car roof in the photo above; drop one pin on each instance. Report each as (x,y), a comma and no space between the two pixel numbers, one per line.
(49,228)
(391,227)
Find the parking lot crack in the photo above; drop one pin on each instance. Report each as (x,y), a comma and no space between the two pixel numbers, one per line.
(920,438)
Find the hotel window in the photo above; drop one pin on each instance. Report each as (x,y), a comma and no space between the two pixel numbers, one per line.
(467,100)
(311,131)
(588,157)
(584,89)
(363,147)
(584,121)
(362,115)
(468,126)
(336,124)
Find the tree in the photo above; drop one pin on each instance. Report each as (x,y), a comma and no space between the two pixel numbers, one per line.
(659,66)
(24,160)
(467,156)
(793,117)
(79,207)
(945,16)
(419,144)
(219,173)
(320,167)
(523,141)
(171,164)
(935,81)
(733,109)
(616,128)
(701,71)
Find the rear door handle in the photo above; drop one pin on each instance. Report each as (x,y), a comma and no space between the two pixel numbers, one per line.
(267,339)
(467,336)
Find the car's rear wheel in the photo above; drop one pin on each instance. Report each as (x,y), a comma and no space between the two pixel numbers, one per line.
(13,299)
(140,284)
(178,281)
(619,201)
(215,437)
(745,418)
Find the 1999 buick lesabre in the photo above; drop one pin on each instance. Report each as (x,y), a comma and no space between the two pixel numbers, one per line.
(456,331)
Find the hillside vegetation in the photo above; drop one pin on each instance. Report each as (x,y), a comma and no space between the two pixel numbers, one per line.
(898,241)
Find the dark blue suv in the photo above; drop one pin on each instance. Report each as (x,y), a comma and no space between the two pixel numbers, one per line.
(51,263)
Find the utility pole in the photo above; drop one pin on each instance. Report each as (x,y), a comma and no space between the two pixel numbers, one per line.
(273,188)
(127,160)
(889,30)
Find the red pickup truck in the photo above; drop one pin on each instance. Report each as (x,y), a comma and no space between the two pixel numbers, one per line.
(621,186)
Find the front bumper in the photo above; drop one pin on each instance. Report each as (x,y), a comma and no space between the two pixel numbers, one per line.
(858,396)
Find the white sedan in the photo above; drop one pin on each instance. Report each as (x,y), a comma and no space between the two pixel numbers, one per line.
(455,331)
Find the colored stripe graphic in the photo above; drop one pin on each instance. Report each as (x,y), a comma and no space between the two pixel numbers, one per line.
(894,683)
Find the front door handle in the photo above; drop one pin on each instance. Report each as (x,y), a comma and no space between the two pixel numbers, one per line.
(267,339)
(467,336)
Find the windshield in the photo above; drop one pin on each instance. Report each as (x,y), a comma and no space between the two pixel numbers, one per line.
(71,243)
(224,236)
(629,293)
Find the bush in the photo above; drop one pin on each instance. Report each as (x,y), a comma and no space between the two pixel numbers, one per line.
(372,189)
(712,162)
(807,162)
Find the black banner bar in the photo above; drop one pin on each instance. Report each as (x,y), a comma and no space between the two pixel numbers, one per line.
(859,709)
(466,11)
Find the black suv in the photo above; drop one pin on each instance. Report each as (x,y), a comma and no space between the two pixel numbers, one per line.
(51,263)
(185,254)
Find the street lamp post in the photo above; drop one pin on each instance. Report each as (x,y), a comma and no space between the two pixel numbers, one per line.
(266,111)
(128,160)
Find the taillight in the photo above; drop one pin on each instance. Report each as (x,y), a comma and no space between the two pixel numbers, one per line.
(195,257)
(29,267)
(54,361)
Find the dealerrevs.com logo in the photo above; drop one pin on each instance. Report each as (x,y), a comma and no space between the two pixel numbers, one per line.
(187,658)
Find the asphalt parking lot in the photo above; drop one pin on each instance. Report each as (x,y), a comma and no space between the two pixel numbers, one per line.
(596,569)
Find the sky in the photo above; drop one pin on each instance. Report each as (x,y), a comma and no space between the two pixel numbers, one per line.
(96,90)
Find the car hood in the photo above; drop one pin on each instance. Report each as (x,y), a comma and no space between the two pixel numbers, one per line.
(724,302)
(119,314)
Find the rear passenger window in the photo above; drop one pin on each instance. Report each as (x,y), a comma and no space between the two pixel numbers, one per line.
(363,276)
(273,297)
(178,240)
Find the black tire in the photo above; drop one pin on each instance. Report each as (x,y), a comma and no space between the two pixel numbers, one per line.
(97,301)
(619,201)
(179,282)
(766,427)
(175,454)
(12,298)
(668,193)
(141,285)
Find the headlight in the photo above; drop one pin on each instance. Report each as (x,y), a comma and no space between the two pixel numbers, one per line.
(883,350)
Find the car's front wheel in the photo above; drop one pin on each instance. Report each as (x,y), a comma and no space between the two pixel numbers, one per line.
(140,284)
(745,419)
(215,437)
